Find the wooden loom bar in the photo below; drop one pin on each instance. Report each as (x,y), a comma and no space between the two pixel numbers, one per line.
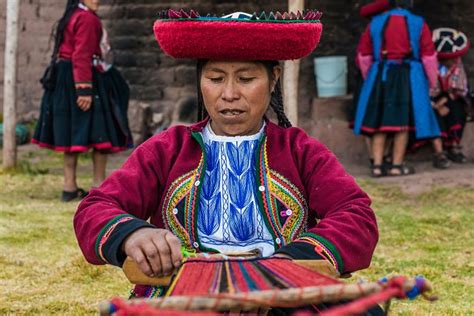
(270,298)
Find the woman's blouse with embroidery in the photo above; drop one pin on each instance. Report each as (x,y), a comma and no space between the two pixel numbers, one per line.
(229,218)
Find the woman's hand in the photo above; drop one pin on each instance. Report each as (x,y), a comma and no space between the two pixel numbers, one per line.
(156,251)
(281,255)
(443,111)
(84,102)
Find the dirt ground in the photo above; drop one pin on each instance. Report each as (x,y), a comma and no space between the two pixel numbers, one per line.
(426,177)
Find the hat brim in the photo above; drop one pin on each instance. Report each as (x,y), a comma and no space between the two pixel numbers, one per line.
(449,55)
(237,40)
(374,8)
(450,43)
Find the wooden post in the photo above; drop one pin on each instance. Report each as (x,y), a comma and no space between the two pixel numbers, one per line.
(291,72)
(9,84)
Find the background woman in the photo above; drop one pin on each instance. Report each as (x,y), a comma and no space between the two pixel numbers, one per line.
(85,102)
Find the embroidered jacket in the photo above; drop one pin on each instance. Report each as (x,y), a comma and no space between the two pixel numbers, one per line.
(81,42)
(310,205)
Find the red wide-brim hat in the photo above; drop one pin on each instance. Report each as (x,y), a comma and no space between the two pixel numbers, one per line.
(374,8)
(239,36)
(450,43)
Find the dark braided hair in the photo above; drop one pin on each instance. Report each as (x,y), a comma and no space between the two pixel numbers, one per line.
(60,26)
(48,79)
(276,101)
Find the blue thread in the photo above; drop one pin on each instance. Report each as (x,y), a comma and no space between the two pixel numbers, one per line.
(112,309)
(417,289)
(383,280)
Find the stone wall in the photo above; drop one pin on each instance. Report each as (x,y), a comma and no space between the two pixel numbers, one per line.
(37,18)
(158,83)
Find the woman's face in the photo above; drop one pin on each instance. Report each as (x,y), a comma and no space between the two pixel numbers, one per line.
(92,4)
(236,95)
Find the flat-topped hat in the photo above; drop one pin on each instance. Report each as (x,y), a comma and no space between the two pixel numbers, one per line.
(238,36)
(374,8)
(450,43)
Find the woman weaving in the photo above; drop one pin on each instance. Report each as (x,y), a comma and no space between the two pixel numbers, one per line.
(235,181)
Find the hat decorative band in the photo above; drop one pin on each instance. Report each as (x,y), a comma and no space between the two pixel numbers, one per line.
(238,36)
(450,43)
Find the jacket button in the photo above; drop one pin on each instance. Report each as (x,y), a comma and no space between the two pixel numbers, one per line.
(175,211)
(289,212)
(261,188)
(196,245)
(278,241)
(197,183)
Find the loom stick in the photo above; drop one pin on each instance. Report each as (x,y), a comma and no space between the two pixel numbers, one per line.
(293,297)
(136,276)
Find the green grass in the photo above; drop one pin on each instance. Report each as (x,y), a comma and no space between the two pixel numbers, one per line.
(42,270)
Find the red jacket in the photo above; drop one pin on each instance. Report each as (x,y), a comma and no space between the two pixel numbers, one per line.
(161,181)
(81,42)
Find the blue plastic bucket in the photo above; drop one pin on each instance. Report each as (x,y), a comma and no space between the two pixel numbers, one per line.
(331,76)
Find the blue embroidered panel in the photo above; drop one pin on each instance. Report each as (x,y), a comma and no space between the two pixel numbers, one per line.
(228,215)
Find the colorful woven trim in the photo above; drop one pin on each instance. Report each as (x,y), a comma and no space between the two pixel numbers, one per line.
(186,188)
(155,292)
(270,212)
(296,209)
(238,36)
(192,204)
(285,17)
(324,248)
(177,191)
(274,187)
(107,231)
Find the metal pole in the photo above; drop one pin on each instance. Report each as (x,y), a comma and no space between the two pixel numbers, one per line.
(9,84)
(291,71)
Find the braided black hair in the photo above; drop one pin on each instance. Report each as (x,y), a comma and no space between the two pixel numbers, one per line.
(276,101)
(48,80)
(201,113)
(58,29)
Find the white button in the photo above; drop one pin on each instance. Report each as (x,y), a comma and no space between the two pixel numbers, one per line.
(261,188)
(289,212)
(196,245)
(175,211)
(197,183)
(278,241)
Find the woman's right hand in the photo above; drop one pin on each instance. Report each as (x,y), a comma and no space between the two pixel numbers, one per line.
(156,251)
(84,102)
(443,111)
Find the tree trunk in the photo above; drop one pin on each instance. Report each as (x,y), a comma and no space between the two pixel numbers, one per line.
(9,84)
(291,76)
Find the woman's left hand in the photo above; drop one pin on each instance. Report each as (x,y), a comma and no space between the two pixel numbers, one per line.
(84,102)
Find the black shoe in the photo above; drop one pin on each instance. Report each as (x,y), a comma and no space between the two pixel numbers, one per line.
(69,196)
(455,155)
(377,171)
(440,161)
(400,170)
